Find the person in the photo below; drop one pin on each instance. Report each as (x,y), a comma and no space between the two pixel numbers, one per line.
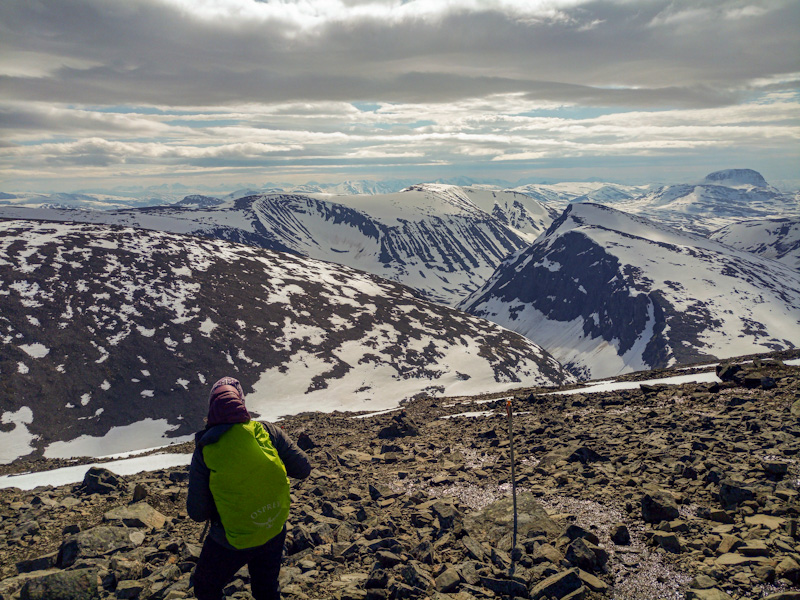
(238,480)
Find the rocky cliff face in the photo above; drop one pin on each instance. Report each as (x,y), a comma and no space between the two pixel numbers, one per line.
(607,292)
(115,334)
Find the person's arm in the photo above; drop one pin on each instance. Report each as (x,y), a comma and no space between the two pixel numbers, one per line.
(199,501)
(294,459)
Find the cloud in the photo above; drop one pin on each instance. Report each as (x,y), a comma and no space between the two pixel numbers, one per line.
(153,85)
(194,53)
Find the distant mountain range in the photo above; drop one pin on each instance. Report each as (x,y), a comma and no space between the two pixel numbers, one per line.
(443,240)
(606,292)
(606,278)
(109,330)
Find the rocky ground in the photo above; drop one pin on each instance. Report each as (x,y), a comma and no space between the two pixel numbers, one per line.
(686,491)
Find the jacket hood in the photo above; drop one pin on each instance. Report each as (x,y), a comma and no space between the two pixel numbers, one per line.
(226,403)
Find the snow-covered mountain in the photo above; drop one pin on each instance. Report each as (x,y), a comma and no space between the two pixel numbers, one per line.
(559,195)
(444,241)
(778,239)
(747,178)
(114,331)
(200,201)
(606,292)
(721,199)
(87,201)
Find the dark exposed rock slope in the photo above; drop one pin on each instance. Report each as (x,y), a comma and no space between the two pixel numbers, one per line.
(105,327)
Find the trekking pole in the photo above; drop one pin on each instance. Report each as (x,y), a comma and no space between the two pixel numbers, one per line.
(513,482)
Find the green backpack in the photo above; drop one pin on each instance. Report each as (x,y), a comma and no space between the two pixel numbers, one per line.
(249,484)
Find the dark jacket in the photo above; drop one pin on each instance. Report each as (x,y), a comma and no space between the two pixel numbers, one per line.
(199,501)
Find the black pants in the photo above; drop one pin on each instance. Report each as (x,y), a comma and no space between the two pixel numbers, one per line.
(217,565)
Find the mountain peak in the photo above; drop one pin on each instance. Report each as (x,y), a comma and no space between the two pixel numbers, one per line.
(734,177)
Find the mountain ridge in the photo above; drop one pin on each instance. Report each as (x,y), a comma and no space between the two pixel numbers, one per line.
(606,292)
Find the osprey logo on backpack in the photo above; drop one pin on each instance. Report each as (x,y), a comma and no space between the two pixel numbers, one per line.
(259,517)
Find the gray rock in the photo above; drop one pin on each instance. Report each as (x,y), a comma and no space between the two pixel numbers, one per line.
(668,541)
(93,542)
(776,468)
(139,492)
(572,453)
(447,581)
(40,563)
(416,576)
(585,555)
(80,584)
(101,481)
(702,582)
(130,589)
(496,520)
(795,410)
(26,528)
(508,588)
(707,594)
(575,531)
(557,586)
(788,569)
(140,514)
(620,534)
(402,425)
(659,506)
(733,493)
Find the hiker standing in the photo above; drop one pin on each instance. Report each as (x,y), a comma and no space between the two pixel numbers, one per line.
(238,480)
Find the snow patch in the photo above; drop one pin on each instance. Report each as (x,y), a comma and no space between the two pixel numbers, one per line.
(148,433)
(35,350)
(68,475)
(19,441)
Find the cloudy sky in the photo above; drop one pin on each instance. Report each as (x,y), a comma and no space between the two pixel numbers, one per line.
(104,93)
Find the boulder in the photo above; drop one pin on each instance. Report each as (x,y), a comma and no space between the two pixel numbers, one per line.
(659,506)
(497,520)
(402,426)
(572,453)
(727,371)
(80,584)
(140,514)
(40,563)
(620,534)
(304,441)
(94,542)
(101,481)
(557,586)
(585,555)
(732,493)
(788,569)
(447,581)
(668,541)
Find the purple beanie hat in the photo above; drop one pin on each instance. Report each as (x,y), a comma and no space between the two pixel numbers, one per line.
(226,403)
